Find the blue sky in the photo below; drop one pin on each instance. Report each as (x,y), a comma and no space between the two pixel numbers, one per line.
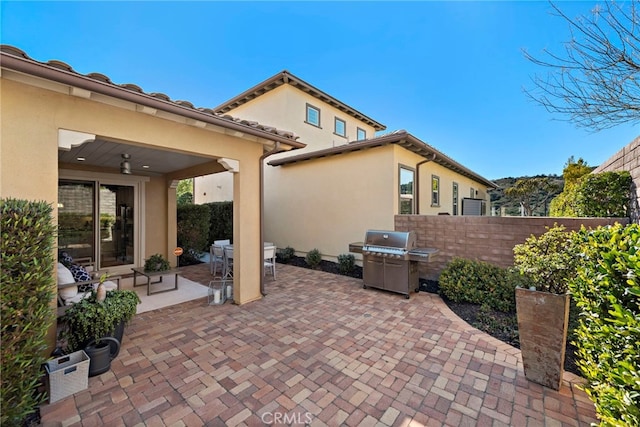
(450,73)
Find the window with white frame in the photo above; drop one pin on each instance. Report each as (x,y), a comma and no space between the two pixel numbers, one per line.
(435,190)
(472,193)
(313,115)
(340,127)
(455,198)
(361,135)
(407,177)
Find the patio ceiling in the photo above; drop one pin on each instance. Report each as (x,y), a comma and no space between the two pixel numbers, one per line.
(144,160)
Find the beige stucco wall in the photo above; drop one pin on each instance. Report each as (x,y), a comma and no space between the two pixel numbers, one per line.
(447,177)
(326,203)
(32,112)
(330,202)
(285,107)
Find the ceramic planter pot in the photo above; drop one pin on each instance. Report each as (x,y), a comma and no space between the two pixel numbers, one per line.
(101,354)
(543,320)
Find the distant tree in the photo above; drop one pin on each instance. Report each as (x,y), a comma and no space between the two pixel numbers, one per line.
(595,82)
(574,170)
(532,193)
(184,192)
(567,203)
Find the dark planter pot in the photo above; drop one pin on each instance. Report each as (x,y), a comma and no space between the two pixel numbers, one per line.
(100,355)
(543,320)
(118,333)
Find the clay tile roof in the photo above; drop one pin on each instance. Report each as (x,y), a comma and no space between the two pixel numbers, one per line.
(17,60)
(132,87)
(100,77)
(160,96)
(59,64)
(285,77)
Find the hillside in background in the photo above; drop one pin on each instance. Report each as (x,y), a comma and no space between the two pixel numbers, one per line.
(512,207)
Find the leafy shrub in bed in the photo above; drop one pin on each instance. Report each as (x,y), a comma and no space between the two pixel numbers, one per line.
(313,258)
(346,263)
(607,290)
(478,282)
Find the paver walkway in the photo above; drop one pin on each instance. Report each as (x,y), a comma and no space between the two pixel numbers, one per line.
(318,350)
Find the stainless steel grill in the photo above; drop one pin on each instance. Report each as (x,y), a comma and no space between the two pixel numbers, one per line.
(390,260)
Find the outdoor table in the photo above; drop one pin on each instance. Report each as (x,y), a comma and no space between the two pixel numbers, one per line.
(150,274)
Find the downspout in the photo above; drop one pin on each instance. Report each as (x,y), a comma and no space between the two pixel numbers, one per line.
(276,149)
(433,157)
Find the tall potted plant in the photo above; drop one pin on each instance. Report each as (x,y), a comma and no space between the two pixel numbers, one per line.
(91,325)
(549,261)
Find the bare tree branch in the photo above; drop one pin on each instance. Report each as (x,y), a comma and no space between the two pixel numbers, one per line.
(595,81)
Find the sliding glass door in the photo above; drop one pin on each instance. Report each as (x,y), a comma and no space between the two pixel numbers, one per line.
(96,220)
(116,225)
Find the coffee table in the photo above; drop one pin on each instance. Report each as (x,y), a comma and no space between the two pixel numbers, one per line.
(149,274)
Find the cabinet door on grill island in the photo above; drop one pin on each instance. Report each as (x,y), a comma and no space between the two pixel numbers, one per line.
(373,271)
(396,276)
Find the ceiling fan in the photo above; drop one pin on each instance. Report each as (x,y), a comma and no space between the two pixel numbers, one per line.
(125,166)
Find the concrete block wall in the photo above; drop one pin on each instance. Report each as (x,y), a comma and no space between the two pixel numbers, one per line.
(484,238)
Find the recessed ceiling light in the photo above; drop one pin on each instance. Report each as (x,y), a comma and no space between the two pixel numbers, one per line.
(145,166)
(80,159)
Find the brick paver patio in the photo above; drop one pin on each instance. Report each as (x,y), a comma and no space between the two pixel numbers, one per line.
(321,350)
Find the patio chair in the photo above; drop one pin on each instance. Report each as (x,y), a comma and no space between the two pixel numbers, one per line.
(270,260)
(216,258)
(228,262)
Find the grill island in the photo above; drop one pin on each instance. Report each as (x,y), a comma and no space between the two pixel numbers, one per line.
(390,260)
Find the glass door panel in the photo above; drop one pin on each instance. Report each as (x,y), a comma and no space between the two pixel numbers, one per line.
(76,204)
(116,225)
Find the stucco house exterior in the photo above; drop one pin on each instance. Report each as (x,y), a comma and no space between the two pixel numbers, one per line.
(627,159)
(62,139)
(347,179)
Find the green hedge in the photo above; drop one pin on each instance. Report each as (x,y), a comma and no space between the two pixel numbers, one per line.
(26,274)
(221,221)
(607,290)
(193,232)
(479,282)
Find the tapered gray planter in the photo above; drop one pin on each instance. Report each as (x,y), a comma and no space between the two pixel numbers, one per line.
(543,320)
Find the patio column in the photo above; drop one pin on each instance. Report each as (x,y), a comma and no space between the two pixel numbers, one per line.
(247,247)
(172,221)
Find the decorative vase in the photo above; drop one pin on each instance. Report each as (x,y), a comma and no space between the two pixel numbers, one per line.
(100,354)
(543,320)
(101,292)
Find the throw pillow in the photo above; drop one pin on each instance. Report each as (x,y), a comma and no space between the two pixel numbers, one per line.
(65,259)
(64,275)
(80,274)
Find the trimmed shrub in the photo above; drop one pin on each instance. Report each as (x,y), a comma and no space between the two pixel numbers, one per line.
(549,260)
(313,258)
(285,255)
(607,290)
(193,231)
(346,263)
(26,274)
(220,221)
(477,282)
